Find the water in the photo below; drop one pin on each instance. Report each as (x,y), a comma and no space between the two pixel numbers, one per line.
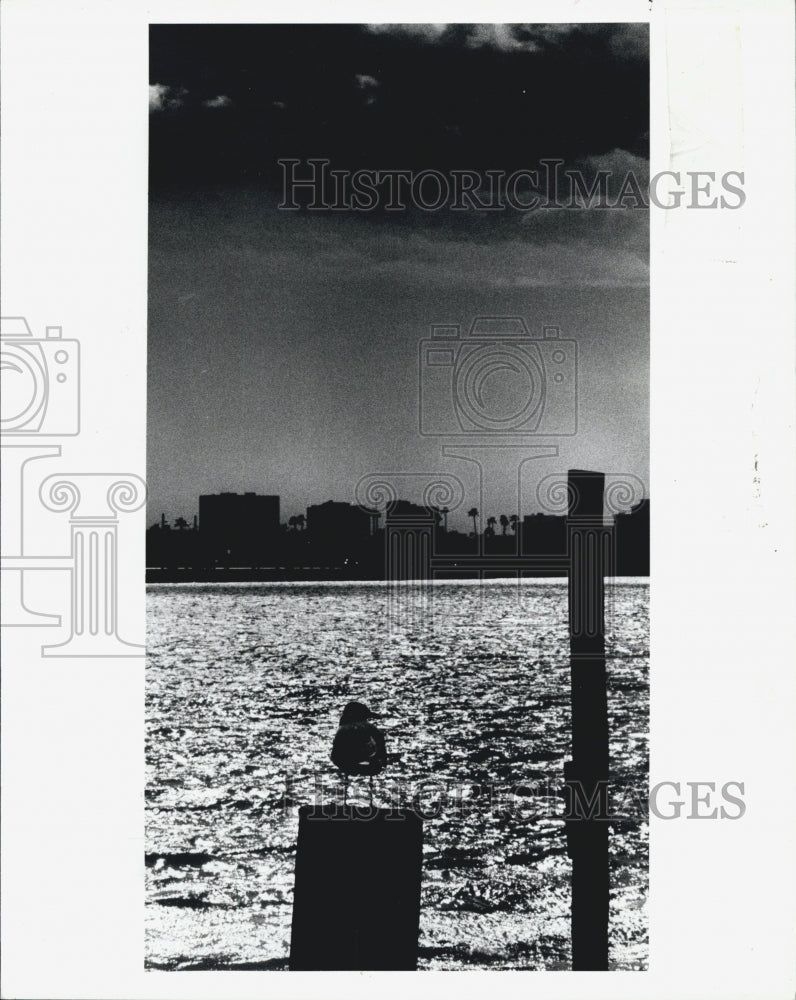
(245,684)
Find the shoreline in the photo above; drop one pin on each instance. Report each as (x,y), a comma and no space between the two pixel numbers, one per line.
(175,580)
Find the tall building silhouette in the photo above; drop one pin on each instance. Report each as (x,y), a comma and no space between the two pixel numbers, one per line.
(333,519)
(338,534)
(632,540)
(544,535)
(238,529)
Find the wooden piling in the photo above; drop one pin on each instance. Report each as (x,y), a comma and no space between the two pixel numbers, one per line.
(356,903)
(586,776)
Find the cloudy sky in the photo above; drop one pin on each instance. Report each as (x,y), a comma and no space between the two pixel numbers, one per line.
(283,346)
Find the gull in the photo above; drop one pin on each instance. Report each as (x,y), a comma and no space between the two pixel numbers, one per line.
(358,746)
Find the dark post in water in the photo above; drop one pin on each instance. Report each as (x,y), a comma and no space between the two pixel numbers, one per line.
(586,775)
(356,903)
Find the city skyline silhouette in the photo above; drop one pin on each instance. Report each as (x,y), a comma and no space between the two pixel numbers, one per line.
(244,531)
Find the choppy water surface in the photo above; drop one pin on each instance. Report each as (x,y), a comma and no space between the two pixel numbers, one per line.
(245,684)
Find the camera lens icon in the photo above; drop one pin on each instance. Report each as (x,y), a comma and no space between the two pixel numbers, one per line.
(498,388)
(497,380)
(40,381)
(23,382)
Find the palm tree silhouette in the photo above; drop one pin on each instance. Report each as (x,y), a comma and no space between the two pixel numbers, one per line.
(473,513)
(490,525)
(180,524)
(504,523)
(514,519)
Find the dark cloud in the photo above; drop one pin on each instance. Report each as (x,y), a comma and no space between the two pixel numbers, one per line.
(627,41)
(397,96)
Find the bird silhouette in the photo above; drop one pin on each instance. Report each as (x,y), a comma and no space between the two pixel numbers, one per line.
(358,746)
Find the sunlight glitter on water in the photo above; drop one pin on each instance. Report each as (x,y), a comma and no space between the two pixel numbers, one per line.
(245,683)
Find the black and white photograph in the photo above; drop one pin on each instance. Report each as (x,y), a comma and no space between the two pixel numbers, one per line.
(398,443)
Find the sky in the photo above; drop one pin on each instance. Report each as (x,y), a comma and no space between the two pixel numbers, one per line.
(283,346)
